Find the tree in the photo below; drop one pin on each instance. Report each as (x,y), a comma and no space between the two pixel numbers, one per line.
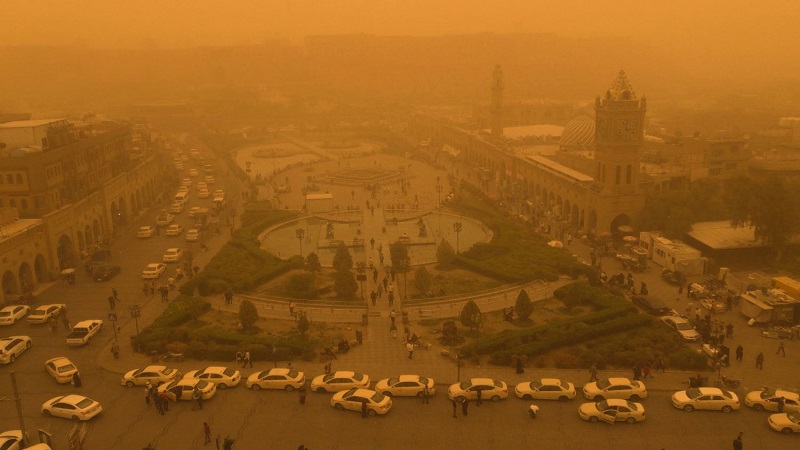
(398,252)
(342,261)
(312,263)
(248,315)
(422,280)
(303,324)
(471,315)
(301,285)
(524,305)
(345,284)
(445,254)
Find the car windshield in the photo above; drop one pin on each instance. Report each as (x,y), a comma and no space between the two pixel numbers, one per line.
(683,326)
(293,373)
(5,313)
(84,403)
(465,385)
(632,406)
(423,380)
(167,372)
(228,372)
(693,393)
(498,384)
(603,384)
(66,368)
(602,405)
(202,384)
(393,381)
(536,385)
(138,371)
(768,393)
(564,385)
(377,398)
(358,377)
(794,416)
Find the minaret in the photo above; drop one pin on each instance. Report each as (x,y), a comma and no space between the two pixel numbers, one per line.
(497,101)
(619,136)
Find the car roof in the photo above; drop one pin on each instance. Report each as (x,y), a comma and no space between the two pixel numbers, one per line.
(362,392)
(59,359)
(710,390)
(616,401)
(154,368)
(551,381)
(619,380)
(12,307)
(344,373)
(482,380)
(408,378)
(173,249)
(73,398)
(219,369)
(49,305)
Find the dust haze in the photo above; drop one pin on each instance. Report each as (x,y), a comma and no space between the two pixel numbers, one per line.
(71,56)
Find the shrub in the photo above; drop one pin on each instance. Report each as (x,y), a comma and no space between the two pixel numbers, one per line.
(345,284)
(524,305)
(422,280)
(301,286)
(445,254)
(471,315)
(248,315)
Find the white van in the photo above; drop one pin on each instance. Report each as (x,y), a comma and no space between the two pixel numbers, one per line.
(182,197)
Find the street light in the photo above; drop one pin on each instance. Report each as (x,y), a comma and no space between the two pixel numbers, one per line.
(457,228)
(361,268)
(300,233)
(406,262)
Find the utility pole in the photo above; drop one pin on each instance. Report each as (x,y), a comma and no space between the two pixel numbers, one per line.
(18,402)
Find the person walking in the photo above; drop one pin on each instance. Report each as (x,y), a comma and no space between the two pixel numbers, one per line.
(114,294)
(197,396)
(480,397)
(760,361)
(302,393)
(76,380)
(115,350)
(737,443)
(206,433)
(464,406)
(781,350)
(729,330)
(392,316)
(425,394)
(247,360)
(739,352)
(164,400)
(593,373)
(410,348)
(147,388)
(111,302)
(660,366)
(159,404)
(65,321)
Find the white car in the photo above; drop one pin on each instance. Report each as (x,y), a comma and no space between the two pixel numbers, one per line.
(709,398)
(193,172)
(192,235)
(164,218)
(186,182)
(61,369)
(193,211)
(182,389)
(278,378)
(785,422)
(153,271)
(209,179)
(11,440)
(11,314)
(173,255)
(405,386)
(75,407)
(13,346)
(174,229)
(202,186)
(219,193)
(767,399)
(176,208)
(155,375)
(612,410)
(223,377)
(353,399)
(146,232)
(491,389)
(682,327)
(341,380)
(203,194)
(545,389)
(45,312)
(622,388)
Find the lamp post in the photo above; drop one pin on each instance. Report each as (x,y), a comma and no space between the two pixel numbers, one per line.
(457,228)
(406,262)
(300,233)
(361,268)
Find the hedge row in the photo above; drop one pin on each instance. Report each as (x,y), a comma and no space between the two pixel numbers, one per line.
(179,312)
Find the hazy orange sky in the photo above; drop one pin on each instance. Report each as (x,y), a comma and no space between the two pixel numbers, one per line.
(741,26)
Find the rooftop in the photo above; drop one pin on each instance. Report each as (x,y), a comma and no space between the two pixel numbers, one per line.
(560,169)
(721,235)
(532,130)
(29,123)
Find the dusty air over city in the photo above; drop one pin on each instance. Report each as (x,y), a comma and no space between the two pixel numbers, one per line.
(307,224)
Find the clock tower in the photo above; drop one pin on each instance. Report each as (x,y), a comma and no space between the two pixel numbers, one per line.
(498,85)
(619,135)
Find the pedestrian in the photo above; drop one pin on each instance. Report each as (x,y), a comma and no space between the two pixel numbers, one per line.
(393,316)
(247,360)
(637,372)
(385,283)
(455,407)
(197,396)
(115,350)
(520,369)
(646,370)
(425,394)
(159,404)
(302,393)
(660,364)
(464,406)
(363,408)
(410,348)
(729,330)
(479,397)
(164,400)
(760,361)
(781,350)
(112,302)
(114,293)
(781,404)
(292,306)
(65,321)
(737,443)
(374,297)
(533,411)
(680,288)
(53,325)
(206,433)
(147,393)
(739,352)
(76,380)
(372,243)
(593,373)
(391,298)
(393,331)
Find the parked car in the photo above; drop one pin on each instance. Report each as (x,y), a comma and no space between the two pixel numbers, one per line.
(174,230)
(193,172)
(75,407)
(767,399)
(682,327)
(611,411)
(546,389)
(787,423)
(182,389)
(13,346)
(491,389)
(153,271)
(176,208)
(11,314)
(173,255)
(621,388)
(164,218)
(61,369)
(277,378)
(223,377)
(353,399)
(651,305)
(192,211)
(105,273)
(203,194)
(405,386)
(11,440)
(146,232)
(83,332)
(709,398)
(155,375)
(673,277)
(341,380)
(45,312)
(192,235)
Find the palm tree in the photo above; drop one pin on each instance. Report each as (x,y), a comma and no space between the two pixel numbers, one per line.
(301,233)
(457,228)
